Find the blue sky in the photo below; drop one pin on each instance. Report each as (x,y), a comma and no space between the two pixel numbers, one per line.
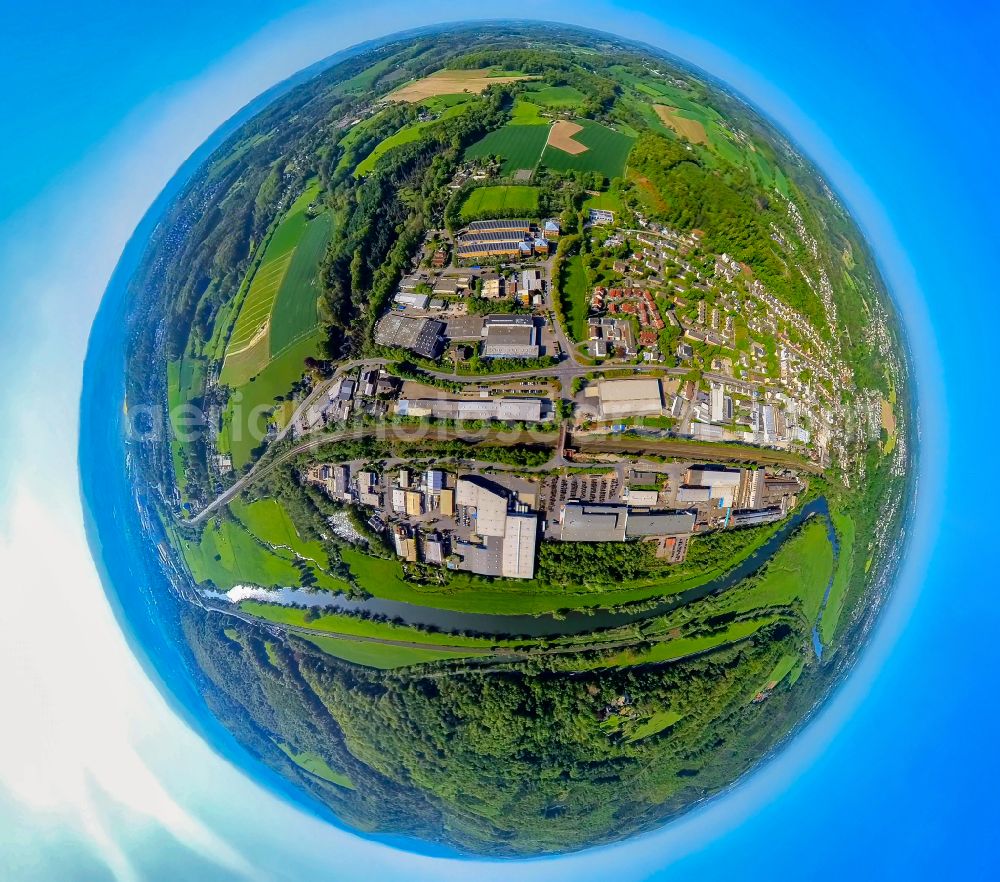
(898,103)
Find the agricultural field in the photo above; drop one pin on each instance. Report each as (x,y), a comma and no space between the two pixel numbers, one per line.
(667,108)
(562,137)
(690,128)
(185,382)
(527,113)
(604,150)
(249,348)
(450,82)
(519,145)
(362,82)
(503,200)
(295,313)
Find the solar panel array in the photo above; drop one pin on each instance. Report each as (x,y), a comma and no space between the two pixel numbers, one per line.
(499,225)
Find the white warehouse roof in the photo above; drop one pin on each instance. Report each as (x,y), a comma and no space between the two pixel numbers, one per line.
(630,397)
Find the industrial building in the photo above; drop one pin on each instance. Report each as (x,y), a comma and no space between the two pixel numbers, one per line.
(519,540)
(489,502)
(518,410)
(586,522)
(693,494)
(446,502)
(424,336)
(435,549)
(630,397)
(593,523)
(405,543)
(490,238)
(659,523)
(485,558)
(614,334)
(643,498)
(724,484)
(511,336)
(503,238)
(413,300)
(500,225)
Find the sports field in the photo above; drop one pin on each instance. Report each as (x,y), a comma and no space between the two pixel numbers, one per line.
(249,348)
(606,151)
(520,146)
(503,200)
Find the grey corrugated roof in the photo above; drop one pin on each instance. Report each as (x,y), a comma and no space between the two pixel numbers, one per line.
(660,523)
(593,523)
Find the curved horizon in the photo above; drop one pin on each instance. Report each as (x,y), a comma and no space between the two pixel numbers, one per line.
(773,775)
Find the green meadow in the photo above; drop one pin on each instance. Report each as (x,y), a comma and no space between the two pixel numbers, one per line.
(503,200)
(258,545)
(797,575)
(380,655)
(575,294)
(314,764)
(844,525)
(407,135)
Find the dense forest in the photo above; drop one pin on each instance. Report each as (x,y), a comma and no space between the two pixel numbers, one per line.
(507,763)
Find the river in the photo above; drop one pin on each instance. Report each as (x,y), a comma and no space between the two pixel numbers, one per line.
(572,623)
